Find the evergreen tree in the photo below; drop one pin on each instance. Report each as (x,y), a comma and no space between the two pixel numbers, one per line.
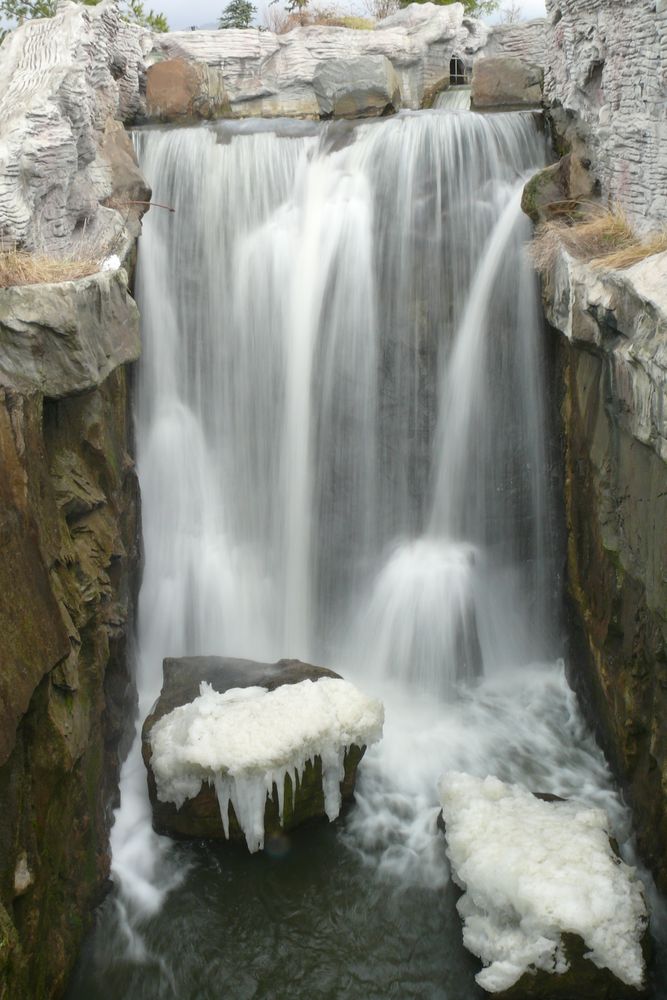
(237,14)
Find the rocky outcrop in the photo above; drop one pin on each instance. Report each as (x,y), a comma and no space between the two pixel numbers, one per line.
(66,338)
(199,816)
(614,368)
(505,83)
(320,71)
(559,189)
(69,540)
(606,82)
(64,81)
(70,188)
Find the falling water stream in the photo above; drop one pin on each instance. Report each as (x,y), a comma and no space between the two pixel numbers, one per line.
(342,449)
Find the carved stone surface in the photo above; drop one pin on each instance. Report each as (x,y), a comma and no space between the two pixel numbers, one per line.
(61,80)
(525,40)
(606,78)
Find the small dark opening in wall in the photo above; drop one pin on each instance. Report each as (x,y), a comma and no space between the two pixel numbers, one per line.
(457,71)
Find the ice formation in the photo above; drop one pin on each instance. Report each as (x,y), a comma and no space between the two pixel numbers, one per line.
(532,870)
(247,739)
(111,263)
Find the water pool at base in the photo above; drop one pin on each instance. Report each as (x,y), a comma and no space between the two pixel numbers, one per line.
(363,908)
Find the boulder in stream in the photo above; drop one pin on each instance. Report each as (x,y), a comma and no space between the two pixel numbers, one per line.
(547,904)
(243,750)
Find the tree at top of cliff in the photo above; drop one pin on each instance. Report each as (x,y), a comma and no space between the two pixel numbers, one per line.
(17,11)
(474,8)
(237,14)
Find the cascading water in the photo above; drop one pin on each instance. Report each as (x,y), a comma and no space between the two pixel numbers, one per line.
(454,99)
(341,445)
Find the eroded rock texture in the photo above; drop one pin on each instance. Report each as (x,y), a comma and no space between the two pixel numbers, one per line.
(68,538)
(606,79)
(64,83)
(525,40)
(614,362)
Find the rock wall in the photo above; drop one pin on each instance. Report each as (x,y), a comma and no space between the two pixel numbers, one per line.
(606,82)
(69,540)
(614,366)
(69,509)
(525,40)
(307,71)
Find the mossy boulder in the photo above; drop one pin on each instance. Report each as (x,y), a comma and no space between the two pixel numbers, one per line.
(559,188)
(200,816)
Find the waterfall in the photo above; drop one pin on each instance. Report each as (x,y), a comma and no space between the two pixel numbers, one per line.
(341,450)
(453,99)
(339,423)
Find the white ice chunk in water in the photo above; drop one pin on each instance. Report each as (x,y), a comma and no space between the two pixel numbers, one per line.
(246,739)
(533,870)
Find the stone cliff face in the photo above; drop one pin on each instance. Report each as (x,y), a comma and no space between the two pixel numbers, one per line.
(606,84)
(69,511)
(614,419)
(606,90)
(69,540)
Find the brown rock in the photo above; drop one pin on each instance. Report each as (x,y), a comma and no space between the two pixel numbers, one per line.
(184,90)
(559,188)
(505,82)
(200,816)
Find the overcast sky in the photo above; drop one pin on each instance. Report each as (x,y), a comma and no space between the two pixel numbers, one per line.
(181,14)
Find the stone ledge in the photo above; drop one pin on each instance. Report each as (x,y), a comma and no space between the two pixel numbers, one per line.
(63,339)
(622,313)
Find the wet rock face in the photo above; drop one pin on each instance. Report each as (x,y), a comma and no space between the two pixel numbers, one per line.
(614,365)
(69,542)
(200,816)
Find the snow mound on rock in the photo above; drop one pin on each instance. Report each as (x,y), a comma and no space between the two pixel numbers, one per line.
(247,739)
(532,870)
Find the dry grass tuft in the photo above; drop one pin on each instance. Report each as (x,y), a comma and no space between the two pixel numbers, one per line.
(601,236)
(17,267)
(280,21)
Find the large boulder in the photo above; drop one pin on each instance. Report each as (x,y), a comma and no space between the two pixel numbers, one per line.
(182,90)
(243,750)
(547,904)
(559,188)
(504,83)
(357,88)
(69,336)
